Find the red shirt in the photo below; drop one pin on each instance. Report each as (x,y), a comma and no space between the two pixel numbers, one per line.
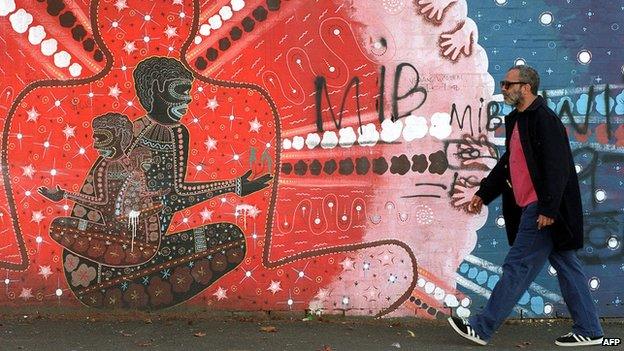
(523,189)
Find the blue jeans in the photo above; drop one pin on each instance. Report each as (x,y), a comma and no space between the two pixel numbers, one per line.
(523,262)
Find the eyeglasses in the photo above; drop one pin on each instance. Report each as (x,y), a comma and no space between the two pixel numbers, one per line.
(504,84)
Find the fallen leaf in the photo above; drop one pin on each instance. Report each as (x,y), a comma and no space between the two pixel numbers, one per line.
(411,333)
(269,329)
(397,345)
(199,334)
(148,321)
(326,348)
(523,344)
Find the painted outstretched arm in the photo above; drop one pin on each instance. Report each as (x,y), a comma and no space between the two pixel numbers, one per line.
(196,192)
(57,194)
(99,199)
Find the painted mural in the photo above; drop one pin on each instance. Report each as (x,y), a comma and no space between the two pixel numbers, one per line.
(302,155)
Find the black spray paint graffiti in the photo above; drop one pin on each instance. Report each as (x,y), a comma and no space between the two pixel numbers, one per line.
(473,151)
(320,84)
(566,110)
(604,224)
(495,121)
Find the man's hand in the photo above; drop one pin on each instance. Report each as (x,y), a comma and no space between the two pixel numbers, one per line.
(543,221)
(54,195)
(475,205)
(251,186)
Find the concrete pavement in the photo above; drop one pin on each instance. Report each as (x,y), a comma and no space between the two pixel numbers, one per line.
(89,330)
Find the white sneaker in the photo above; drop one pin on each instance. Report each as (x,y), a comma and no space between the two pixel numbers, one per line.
(463,328)
(571,339)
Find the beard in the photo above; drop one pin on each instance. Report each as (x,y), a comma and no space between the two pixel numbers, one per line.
(512,99)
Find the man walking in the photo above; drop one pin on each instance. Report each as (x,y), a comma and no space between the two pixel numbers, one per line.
(542,211)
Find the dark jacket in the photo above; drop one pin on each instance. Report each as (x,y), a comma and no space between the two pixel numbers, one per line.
(549,160)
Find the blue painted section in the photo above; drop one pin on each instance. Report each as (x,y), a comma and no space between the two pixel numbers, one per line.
(559,49)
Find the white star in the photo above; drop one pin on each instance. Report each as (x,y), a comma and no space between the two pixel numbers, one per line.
(129,47)
(220,294)
(37,217)
(33,115)
(255,125)
(28,171)
(206,214)
(253,211)
(322,294)
(274,287)
(211,144)
(26,294)
(171,32)
(347,264)
(45,271)
(69,131)
(114,91)
(212,103)
(120,5)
